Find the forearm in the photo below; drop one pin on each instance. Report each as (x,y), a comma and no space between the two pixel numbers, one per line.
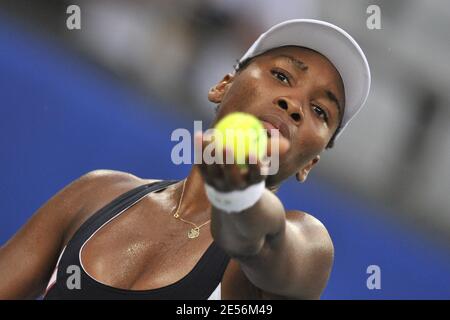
(245,233)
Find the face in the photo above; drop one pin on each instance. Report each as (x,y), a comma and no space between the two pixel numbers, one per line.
(296,87)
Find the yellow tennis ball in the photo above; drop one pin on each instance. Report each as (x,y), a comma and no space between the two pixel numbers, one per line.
(243,133)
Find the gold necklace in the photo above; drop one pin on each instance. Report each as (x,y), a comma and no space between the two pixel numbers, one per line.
(193,232)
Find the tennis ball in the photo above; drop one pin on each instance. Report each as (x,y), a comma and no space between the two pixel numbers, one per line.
(243,133)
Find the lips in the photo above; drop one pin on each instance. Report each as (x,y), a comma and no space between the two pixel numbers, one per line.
(271,121)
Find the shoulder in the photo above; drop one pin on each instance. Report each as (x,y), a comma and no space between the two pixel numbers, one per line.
(314,253)
(97,183)
(102,176)
(95,189)
(310,227)
(305,220)
(314,231)
(103,185)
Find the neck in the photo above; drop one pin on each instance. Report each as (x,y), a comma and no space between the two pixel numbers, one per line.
(195,201)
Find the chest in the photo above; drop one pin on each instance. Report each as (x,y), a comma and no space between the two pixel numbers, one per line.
(136,251)
(148,249)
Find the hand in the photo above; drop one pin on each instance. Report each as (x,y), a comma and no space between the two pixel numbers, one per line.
(229,177)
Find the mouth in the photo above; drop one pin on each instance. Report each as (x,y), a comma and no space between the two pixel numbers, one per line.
(270,121)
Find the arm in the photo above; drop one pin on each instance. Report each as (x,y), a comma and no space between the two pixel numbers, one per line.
(27,260)
(285,254)
(289,258)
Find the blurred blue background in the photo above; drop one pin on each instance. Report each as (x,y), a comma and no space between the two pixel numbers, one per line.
(68,107)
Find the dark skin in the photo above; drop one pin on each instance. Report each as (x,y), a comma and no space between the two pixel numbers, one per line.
(275,253)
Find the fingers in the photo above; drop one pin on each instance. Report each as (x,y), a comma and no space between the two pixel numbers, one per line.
(234,176)
(228,176)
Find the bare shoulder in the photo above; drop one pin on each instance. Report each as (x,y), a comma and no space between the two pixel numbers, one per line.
(305,220)
(315,232)
(99,185)
(105,181)
(96,189)
(320,253)
(112,176)
(315,258)
(40,241)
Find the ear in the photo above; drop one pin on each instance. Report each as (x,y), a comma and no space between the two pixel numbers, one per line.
(303,173)
(217,92)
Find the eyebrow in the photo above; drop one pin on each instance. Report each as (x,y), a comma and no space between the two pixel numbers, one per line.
(297,63)
(332,97)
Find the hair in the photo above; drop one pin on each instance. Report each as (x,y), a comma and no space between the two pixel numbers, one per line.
(241,65)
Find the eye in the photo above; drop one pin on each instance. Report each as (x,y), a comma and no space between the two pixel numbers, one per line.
(320,113)
(281,76)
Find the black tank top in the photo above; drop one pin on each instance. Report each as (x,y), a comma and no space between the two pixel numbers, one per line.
(198,284)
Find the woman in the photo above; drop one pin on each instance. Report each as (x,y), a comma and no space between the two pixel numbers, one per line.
(113,235)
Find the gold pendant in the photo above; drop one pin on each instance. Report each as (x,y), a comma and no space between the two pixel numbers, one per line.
(193,233)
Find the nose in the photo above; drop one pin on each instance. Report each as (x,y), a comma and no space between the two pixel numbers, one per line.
(292,108)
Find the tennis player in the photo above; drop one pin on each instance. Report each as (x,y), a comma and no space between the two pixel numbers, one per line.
(222,232)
